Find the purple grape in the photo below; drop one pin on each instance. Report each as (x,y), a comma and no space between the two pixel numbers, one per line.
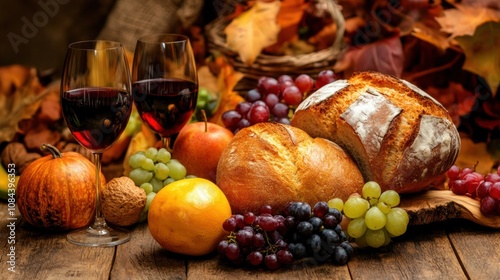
(255,258)
(253,95)
(280,110)
(243,108)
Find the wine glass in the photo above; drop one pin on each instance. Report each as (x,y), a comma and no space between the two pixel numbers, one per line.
(164,83)
(96,104)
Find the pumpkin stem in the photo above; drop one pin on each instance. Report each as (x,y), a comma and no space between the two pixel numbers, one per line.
(53,150)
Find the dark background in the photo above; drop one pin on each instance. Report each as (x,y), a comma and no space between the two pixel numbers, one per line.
(75,20)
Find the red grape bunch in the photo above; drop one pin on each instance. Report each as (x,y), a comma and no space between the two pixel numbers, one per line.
(486,188)
(274,100)
(274,241)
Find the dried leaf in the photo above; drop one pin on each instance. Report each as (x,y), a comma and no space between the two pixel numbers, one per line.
(18,102)
(385,56)
(226,81)
(431,35)
(481,53)
(325,37)
(465,19)
(35,137)
(288,18)
(457,100)
(50,108)
(477,3)
(474,154)
(253,30)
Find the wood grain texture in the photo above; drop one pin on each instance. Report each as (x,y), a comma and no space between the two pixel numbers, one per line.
(440,249)
(423,252)
(143,258)
(47,255)
(477,249)
(440,205)
(214,268)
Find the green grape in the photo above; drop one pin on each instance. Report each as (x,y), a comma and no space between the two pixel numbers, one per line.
(375,219)
(163,156)
(397,221)
(177,170)
(403,213)
(361,241)
(387,237)
(390,197)
(373,201)
(383,207)
(168,181)
(190,176)
(336,203)
(134,123)
(157,184)
(143,217)
(149,198)
(356,207)
(148,164)
(375,238)
(136,160)
(371,190)
(147,187)
(356,227)
(140,176)
(151,153)
(161,171)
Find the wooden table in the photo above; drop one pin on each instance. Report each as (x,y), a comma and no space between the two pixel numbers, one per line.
(453,249)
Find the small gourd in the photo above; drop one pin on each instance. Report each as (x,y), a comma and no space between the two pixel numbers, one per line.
(57,191)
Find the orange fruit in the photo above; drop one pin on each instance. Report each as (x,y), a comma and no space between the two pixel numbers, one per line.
(186,216)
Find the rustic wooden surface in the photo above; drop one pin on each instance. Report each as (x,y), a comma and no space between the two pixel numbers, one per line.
(451,249)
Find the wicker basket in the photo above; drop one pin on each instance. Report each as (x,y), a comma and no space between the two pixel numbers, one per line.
(273,65)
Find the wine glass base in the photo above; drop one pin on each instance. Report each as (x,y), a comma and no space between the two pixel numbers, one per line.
(98,237)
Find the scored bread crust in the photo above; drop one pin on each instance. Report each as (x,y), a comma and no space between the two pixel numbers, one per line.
(398,135)
(270,163)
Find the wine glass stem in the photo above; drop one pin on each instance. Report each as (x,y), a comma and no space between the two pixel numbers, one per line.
(166,143)
(99,221)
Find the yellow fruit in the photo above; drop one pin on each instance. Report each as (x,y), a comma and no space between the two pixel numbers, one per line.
(186,216)
(5,180)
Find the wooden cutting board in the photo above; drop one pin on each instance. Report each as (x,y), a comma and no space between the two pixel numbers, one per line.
(440,205)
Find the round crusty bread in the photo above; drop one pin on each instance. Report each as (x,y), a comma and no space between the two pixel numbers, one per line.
(271,163)
(398,135)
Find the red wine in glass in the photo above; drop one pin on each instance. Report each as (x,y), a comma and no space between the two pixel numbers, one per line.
(96,116)
(165,104)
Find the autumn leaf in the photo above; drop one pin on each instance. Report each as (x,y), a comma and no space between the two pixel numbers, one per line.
(19,102)
(225,82)
(253,30)
(385,56)
(474,154)
(465,19)
(431,35)
(288,18)
(457,100)
(481,53)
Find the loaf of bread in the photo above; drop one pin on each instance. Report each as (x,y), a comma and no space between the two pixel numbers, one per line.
(398,135)
(270,163)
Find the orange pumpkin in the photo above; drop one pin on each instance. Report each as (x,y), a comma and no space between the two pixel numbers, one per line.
(57,191)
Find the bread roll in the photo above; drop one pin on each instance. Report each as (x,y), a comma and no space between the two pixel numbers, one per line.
(270,163)
(399,136)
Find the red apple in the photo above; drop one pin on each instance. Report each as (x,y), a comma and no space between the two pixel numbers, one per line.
(198,147)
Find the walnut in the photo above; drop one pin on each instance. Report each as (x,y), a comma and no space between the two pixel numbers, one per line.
(17,154)
(122,201)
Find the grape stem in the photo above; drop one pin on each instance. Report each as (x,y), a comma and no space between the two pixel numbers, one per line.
(269,249)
